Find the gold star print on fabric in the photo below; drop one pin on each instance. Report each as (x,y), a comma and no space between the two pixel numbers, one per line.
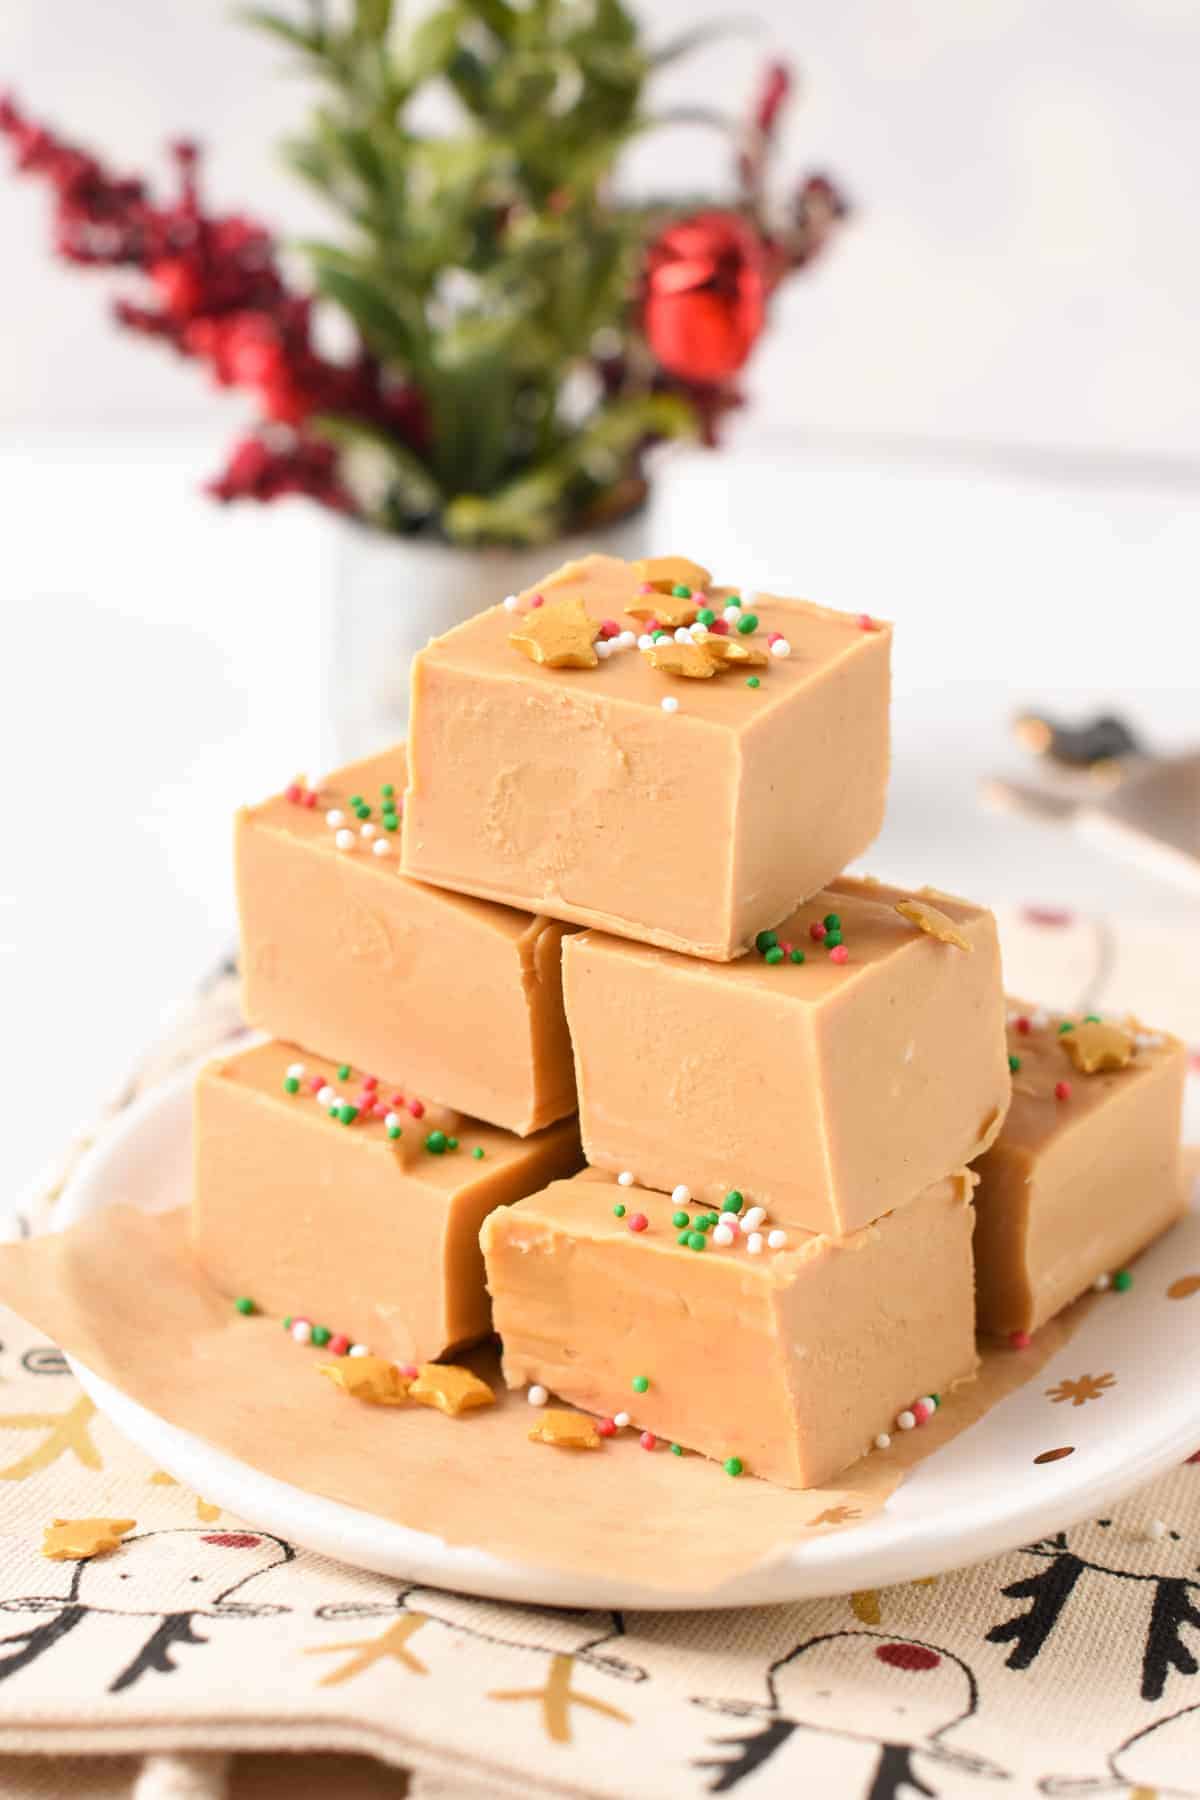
(391,1646)
(1082,1389)
(369,1378)
(451,1389)
(935,923)
(1093,1046)
(64,1432)
(76,1540)
(557,1698)
(559,635)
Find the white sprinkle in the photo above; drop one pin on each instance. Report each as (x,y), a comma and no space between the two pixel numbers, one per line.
(723,1235)
(1101,1283)
(391,1120)
(1039,1018)
(645,642)
(669,703)
(697,632)
(625,641)
(325,1096)
(732,614)
(537,1395)
(882,1442)
(367,831)
(625,1178)
(730,1219)
(781,647)
(302,1331)
(776,1240)
(1155,1528)
(752,1219)
(335,818)
(682,635)
(358,1350)
(620,1420)
(381,847)
(345,839)
(929,1401)
(511,603)
(681,1194)
(295,1071)
(906,1420)
(754,1243)
(603,648)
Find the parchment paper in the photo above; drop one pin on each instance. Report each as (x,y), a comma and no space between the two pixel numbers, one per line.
(121,1292)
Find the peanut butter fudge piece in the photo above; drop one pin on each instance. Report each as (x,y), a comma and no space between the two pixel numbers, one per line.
(827,1078)
(457,997)
(321,1196)
(686,793)
(1086,1171)
(790,1359)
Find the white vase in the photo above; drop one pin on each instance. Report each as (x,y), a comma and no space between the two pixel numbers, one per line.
(384,597)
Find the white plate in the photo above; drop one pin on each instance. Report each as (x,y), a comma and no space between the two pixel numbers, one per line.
(979,1495)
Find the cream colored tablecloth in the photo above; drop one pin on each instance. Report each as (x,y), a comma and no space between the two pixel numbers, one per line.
(172,1667)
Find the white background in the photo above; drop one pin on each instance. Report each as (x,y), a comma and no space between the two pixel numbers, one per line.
(980,417)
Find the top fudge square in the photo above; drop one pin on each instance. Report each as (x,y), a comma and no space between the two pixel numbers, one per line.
(688,794)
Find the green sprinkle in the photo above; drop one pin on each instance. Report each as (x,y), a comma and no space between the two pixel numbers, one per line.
(683,1239)
(734,600)
(618,1211)
(702,1223)
(680,592)
(356,799)
(287,1321)
(797,956)
(640,1383)
(1092,1019)
(936,1398)
(680,1219)
(387,790)
(245,1306)
(832,939)
(696,1240)
(733,1465)
(734,1201)
(477,1153)
(346,1114)
(290,1085)
(766,940)
(747,623)
(363,812)
(394,1131)
(344,1072)
(706,616)
(832,922)
(452,1143)
(774,956)
(436,1142)
(1122,1281)
(390,822)
(1065,1026)
(676,1449)
(753,681)
(660,634)
(321,1335)
(1014,1063)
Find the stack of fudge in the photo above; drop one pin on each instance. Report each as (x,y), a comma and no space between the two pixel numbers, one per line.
(577,1033)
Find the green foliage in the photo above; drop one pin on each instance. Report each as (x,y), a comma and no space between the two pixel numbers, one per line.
(479,261)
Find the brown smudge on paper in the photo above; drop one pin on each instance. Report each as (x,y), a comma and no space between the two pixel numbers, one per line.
(1093,1046)
(934,922)
(121,1292)
(77,1540)
(559,635)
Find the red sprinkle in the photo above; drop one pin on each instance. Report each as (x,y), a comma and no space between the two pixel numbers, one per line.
(774,637)
(370,1083)
(866,622)
(816,932)
(647,1440)
(538,600)
(1019,1340)
(839,954)
(922,1411)
(607,1428)
(720,628)
(637,1222)
(785,946)
(396,1100)
(294,793)
(338,1344)
(316,1083)
(1023,1026)
(647,587)
(1062,1090)
(409,1371)
(609,628)
(417,1108)
(310,799)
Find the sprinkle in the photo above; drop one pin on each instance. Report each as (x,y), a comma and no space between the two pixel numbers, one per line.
(781,647)
(451,1389)
(752,681)
(245,1306)
(883,1441)
(906,1420)
(676,1449)
(1062,1090)
(345,839)
(1022,1024)
(321,1335)
(392,1121)
(1019,1340)
(477,1153)
(343,1073)
(339,1343)
(832,939)
(816,932)
(452,1143)
(679,1220)
(774,956)
(618,1211)
(301,1331)
(380,847)
(538,600)
(511,603)
(776,1240)
(866,622)
(723,1235)
(621,1420)
(754,1218)
(370,1083)
(640,1383)
(626,641)
(417,1108)
(669,703)
(734,1201)
(325,1095)
(683,635)
(647,1440)
(410,1371)
(1066,1026)
(566,1430)
(537,1395)
(922,1410)
(733,1465)
(839,954)
(754,1243)
(1122,1281)
(377,1381)
(645,641)
(290,1085)
(680,1195)
(747,622)
(316,1083)
(335,818)
(638,1222)
(696,1240)
(358,1350)
(295,1071)
(625,1178)
(437,1143)
(719,628)
(609,628)
(1014,1063)
(796,956)
(1102,1283)
(706,616)
(607,1428)
(766,940)
(394,1131)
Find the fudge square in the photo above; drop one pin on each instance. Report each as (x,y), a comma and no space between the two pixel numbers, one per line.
(1086,1171)
(334,1218)
(828,1091)
(456,997)
(688,794)
(791,1359)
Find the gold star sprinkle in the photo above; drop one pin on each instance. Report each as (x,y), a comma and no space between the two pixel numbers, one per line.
(451,1389)
(666,608)
(369,1378)
(75,1540)
(667,572)
(937,924)
(559,635)
(727,650)
(671,658)
(1093,1047)
(565,1430)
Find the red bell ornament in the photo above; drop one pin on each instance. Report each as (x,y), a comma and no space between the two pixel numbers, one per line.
(705,302)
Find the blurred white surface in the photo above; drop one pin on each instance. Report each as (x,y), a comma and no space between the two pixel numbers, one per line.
(1023,269)
(161,663)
